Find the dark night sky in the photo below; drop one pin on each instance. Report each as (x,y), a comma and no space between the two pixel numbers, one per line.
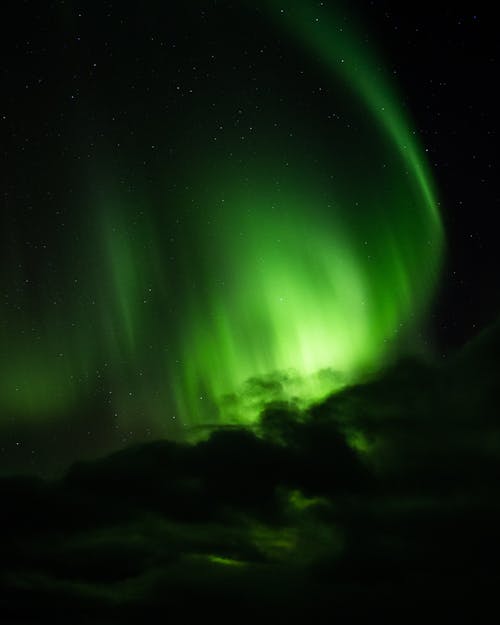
(446,57)
(378,501)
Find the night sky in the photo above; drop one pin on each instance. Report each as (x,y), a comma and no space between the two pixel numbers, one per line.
(249,311)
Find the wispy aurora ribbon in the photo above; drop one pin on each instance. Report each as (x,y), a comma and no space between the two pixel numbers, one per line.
(289,264)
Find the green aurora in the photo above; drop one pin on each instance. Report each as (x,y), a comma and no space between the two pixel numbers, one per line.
(284,272)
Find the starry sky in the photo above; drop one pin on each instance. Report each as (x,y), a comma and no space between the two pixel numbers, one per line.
(248,305)
(242,206)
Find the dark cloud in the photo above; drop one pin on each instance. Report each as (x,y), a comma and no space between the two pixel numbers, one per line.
(380,501)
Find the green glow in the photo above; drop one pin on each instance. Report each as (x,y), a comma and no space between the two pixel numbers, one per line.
(284,271)
(306,538)
(300,502)
(42,374)
(275,544)
(358,441)
(309,284)
(225,561)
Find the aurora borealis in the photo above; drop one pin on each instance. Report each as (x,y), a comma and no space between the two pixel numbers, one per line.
(294,271)
(249,313)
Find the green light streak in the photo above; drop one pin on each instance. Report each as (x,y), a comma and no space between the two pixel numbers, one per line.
(225,561)
(343,52)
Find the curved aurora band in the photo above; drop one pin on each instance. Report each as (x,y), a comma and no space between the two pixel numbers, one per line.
(311,282)
(296,271)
